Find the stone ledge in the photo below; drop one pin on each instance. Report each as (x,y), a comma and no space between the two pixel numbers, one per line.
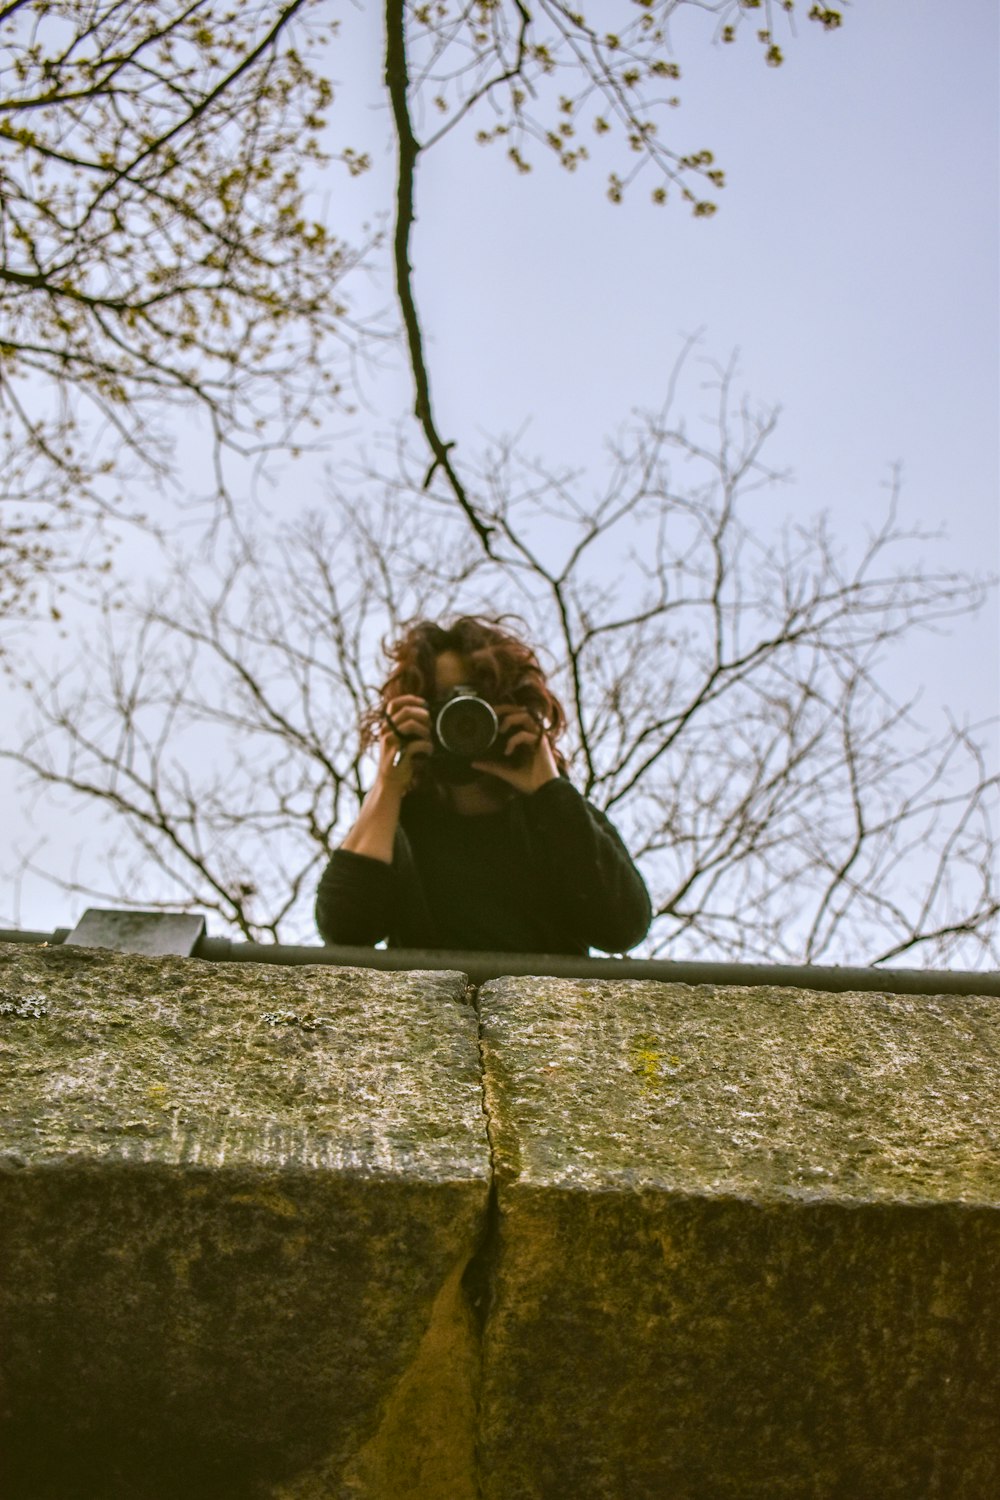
(235,1210)
(747,1244)
(183,1062)
(736,1245)
(780,1093)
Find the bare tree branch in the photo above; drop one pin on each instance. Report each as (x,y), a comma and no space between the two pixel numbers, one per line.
(729,683)
(397,82)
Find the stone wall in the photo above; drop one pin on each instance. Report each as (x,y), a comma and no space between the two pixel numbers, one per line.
(290,1234)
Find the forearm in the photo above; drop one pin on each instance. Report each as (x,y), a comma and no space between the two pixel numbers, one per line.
(374,830)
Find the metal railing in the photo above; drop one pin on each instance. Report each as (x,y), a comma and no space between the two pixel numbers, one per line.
(176,933)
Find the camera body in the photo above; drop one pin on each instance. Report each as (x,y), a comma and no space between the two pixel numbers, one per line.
(464,727)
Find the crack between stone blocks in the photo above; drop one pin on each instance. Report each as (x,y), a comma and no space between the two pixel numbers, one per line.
(478,1277)
(467,1291)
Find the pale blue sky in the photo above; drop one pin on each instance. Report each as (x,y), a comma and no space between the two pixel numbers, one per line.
(853,261)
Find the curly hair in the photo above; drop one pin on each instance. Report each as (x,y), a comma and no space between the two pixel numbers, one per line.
(503,668)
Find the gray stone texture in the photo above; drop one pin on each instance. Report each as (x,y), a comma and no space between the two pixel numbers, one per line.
(237,1204)
(747,1244)
(732,1245)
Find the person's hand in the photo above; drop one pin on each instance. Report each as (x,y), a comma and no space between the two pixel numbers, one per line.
(528,759)
(406,736)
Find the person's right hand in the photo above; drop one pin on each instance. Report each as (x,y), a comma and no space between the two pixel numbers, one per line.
(405,737)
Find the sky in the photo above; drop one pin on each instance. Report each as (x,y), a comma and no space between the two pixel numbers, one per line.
(853,264)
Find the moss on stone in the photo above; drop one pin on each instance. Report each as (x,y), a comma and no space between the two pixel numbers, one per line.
(175,1060)
(760,1091)
(733,1243)
(746,1244)
(236,1204)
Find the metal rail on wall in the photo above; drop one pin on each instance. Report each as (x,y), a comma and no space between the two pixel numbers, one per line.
(179,933)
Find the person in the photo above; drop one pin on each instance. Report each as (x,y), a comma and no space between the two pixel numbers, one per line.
(493,854)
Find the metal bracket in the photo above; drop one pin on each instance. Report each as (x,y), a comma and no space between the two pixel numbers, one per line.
(154,933)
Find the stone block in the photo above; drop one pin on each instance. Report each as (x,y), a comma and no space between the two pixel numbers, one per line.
(746,1244)
(237,1205)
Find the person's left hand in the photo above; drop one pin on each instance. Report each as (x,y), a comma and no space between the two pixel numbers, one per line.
(523,733)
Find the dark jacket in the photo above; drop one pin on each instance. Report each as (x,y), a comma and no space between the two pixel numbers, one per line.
(547,873)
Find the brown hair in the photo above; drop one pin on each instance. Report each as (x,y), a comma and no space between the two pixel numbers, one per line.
(502,667)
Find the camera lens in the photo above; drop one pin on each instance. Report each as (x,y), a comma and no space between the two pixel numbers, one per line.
(466,726)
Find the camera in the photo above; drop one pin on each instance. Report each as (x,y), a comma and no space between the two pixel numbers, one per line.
(465,726)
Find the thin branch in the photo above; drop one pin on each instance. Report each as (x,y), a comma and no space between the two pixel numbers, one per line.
(397,82)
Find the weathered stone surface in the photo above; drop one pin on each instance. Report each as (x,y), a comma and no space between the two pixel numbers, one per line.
(236,1207)
(747,1244)
(743,1244)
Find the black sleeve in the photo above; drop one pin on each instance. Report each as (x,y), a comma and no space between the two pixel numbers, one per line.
(591,879)
(354,903)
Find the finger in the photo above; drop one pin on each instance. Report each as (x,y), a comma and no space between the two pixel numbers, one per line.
(401,705)
(398,747)
(519,708)
(525,738)
(406,700)
(519,718)
(408,722)
(411,751)
(398,708)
